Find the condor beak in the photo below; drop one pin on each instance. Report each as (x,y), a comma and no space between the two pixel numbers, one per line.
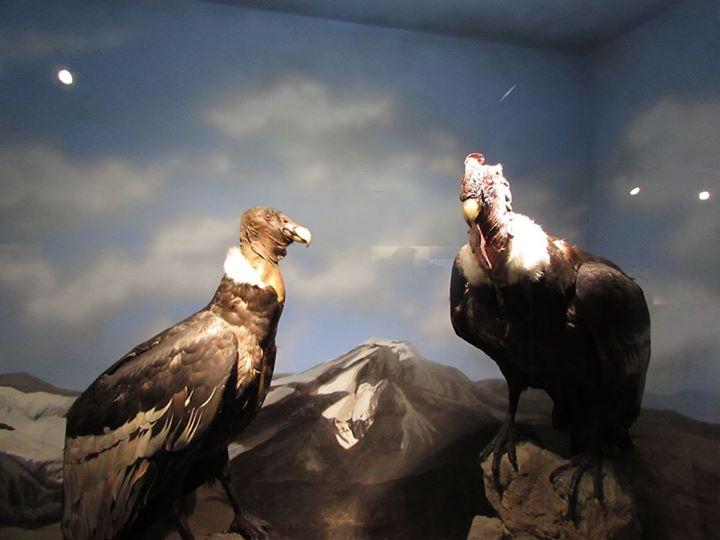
(298,233)
(471,210)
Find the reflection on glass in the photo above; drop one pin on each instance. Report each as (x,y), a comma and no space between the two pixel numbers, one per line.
(65,77)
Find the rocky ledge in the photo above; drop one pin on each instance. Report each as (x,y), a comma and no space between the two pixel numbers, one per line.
(533,506)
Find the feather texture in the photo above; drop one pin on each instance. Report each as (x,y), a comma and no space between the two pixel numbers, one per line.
(563,320)
(167,401)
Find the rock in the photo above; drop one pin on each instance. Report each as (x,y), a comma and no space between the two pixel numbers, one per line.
(533,505)
(487,528)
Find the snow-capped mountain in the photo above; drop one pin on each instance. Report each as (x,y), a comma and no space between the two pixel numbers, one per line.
(378,442)
(35,432)
(358,387)
(353,396)
(32,435)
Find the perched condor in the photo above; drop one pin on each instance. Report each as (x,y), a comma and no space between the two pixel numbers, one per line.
(157,424)
(552,316)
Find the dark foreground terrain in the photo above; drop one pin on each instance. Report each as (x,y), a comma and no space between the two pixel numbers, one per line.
(382,443)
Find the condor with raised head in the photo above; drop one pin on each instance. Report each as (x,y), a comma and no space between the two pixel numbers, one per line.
(157,424)
(552,316)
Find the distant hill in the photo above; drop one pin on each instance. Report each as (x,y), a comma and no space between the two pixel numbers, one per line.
(698,404)
(29,383)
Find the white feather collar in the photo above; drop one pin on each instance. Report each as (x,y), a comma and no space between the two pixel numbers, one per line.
(239,269)
(527,254)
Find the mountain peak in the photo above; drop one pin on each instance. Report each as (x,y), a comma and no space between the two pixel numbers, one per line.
(378,374)
(404,349)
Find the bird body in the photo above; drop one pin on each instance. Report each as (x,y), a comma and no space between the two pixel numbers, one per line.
(551,315)
(157,423)
(562,332)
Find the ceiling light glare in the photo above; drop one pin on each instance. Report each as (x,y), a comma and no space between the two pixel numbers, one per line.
(65,77)
(704,195)
(634,191)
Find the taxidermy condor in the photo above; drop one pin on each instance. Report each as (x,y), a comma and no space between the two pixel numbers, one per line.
(156,425)
(552,316)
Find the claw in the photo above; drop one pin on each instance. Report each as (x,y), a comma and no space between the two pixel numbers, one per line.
(512,455)
(503,443)
(250,527)
(581,464)
(485,452)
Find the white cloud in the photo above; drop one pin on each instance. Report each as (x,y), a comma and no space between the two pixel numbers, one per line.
(337,141)
(22,266)
(186,257)
(38,180)
(345,276)
(677,135)
(671,151)
(183,261)
(296,103)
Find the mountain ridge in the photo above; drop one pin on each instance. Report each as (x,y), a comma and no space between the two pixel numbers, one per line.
(28,383)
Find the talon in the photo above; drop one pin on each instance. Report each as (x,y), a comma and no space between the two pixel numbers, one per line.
(485,453)
(503,443)
(512,455)
(250,527)
(581,464)
(497,457)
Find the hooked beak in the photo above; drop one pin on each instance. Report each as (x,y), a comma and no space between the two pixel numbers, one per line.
(471,210)
(298,233)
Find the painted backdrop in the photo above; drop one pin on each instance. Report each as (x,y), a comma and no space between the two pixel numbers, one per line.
(121,193)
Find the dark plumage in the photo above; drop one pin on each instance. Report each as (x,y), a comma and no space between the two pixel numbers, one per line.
(157,424)
(552,316)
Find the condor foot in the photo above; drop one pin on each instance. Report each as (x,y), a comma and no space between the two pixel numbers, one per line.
(503,443)
(250,527)
(582,464)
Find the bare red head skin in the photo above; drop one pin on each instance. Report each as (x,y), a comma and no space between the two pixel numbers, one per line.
(487,207)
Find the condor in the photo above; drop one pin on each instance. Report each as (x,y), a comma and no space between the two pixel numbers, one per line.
(552,316)
(157,424)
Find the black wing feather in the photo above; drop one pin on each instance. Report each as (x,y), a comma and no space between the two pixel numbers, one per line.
(164,395)
(612,307)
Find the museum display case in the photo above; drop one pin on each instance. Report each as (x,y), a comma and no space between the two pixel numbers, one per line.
(507,200)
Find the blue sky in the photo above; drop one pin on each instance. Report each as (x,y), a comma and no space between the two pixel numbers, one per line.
(122,193)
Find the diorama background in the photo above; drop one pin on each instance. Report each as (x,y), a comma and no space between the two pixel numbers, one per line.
(121,193)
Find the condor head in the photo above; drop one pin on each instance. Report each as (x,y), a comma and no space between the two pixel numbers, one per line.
(269,232)
(486,205)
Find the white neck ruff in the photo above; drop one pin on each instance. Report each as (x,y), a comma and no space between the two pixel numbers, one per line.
(239,269)
(527,255)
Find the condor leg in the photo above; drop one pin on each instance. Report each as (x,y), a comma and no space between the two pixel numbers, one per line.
(244,523)
(587,458)
(181,523)
(506,438)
